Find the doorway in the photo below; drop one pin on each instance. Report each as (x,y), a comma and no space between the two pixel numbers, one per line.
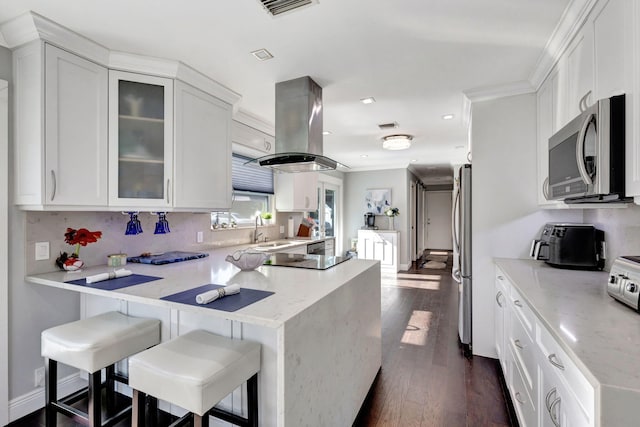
(439,220)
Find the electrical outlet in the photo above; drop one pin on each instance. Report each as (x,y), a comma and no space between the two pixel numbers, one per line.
(38,377)
(199,237)
(42,251)
(282,229)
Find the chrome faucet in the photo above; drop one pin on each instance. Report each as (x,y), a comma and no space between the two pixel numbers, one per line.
(256,235)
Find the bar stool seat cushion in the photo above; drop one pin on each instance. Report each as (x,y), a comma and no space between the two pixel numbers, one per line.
(96,342)
(195,370)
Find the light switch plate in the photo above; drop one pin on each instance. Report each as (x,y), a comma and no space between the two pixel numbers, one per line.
(42,251)
(282,229)
(199,237)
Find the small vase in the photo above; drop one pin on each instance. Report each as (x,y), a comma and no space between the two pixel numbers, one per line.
(73,264)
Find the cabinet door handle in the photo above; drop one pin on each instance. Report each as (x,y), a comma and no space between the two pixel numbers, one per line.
(55,184)
(545,188)
(518,344)
(548,398)
(517,303)
(553,412)
(500,278)
(498,295)
(583,102)
(168,185)
(519,398)
(555,361)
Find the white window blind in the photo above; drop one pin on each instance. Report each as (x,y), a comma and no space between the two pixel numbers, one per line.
(251,178)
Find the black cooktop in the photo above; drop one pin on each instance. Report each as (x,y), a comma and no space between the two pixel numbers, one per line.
(313,262)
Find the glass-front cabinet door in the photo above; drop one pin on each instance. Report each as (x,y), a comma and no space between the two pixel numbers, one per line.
(140,140)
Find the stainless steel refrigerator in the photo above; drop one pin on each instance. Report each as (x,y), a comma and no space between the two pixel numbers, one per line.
(461,226)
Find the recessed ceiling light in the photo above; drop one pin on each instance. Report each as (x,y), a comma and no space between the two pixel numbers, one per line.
(396,142)
(262,54)
(364,156)
(369,100)
(448,117)
(414,160)
(326,132)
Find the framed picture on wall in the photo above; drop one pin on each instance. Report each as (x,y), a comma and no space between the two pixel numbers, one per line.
(377,200)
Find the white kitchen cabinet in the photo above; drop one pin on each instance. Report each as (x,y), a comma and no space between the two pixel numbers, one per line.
(545,385)
(253,143)
(545,126)
(300,249)
(296,192)
(202,177)
(140,140)
(60,129)
(500,311)
(381,246)
(580,71)
(611,40)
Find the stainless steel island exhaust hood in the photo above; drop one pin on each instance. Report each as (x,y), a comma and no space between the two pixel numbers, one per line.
(298,146)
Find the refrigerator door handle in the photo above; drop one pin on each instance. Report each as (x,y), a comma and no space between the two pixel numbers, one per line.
(454,223)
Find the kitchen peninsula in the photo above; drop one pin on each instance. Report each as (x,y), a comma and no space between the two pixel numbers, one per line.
(320,330)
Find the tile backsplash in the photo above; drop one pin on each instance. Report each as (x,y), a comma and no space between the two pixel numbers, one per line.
(621,230)
(51,226)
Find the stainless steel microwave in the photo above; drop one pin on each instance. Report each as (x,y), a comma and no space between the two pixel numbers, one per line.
(586,157)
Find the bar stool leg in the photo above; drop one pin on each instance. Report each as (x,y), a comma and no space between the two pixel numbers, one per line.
(51,390)
(152,415)
(137,409)
(94,409)
(110,387)
(201,421)
(252,401)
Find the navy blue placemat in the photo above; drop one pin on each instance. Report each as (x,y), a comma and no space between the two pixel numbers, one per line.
(227,303)
(113,284)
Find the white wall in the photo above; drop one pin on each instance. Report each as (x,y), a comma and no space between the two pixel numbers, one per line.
(505,213)
(355,184)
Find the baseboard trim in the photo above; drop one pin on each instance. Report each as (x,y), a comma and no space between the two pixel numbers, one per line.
(34,400)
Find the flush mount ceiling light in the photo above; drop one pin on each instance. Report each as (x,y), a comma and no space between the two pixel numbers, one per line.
(369,100)
(262,54)
(396,142)
(326,132)
(448,117)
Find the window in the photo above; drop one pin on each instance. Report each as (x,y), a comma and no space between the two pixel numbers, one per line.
(252,195)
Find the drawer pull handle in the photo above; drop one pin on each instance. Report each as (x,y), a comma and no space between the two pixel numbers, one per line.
(498,295)
(548,398)
(553,412)
(518,344)
(555,362)
(517,303)
(519,398)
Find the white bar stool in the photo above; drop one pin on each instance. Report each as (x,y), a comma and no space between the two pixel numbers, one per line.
(195,371)
(91,345)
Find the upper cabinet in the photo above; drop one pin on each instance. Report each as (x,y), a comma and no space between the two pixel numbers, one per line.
(61,129)
(203,161)
(602,60)
(103,130)
(140,140)
(296,192)
(252,142)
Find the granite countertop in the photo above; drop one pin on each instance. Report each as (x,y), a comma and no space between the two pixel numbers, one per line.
(294,289)
(601,335)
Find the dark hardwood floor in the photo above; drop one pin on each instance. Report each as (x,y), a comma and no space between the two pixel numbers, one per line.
(425,380)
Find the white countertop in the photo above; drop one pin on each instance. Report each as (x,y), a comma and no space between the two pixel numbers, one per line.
(605,340)
(295,289)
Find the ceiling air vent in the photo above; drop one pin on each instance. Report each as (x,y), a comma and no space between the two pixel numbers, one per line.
(387,126)
(278,7)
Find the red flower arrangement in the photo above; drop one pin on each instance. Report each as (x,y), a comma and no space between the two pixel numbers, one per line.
(80,237)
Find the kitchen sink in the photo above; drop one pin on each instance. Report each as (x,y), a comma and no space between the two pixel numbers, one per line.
(270,245)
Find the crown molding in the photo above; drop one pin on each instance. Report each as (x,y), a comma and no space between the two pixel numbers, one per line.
(572,19)
(30,26)
(248,118)
(498,91)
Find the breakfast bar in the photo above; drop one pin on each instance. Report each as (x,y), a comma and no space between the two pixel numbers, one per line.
(320,330)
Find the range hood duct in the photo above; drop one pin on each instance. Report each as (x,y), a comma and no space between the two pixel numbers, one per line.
(298,146)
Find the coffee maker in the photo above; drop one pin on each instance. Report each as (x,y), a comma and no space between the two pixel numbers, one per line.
(369,221)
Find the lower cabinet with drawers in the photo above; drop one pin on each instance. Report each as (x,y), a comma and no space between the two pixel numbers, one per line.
(545,386)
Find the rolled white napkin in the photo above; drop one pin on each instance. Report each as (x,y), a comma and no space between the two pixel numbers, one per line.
(207,297)
(108,276)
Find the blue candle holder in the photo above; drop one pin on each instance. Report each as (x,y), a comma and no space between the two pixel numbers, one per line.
(133,226)
(162,226)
